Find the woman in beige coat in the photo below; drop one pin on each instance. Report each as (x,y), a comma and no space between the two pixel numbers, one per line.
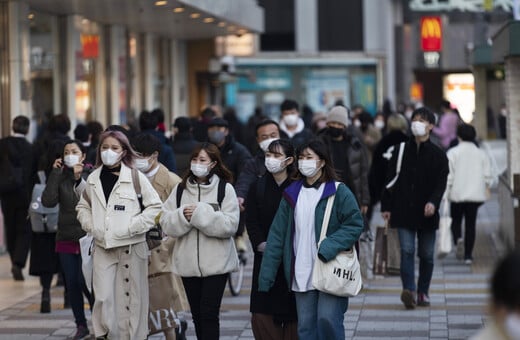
(111,211)
(204,252)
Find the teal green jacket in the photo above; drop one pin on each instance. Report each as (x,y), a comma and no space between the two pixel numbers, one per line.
(345,226)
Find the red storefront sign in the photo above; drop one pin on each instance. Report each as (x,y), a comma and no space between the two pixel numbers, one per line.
(431,34)
(90,45)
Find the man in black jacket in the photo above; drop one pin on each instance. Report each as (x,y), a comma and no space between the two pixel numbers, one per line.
(412,204)
(234,156)
(15,204)
(183,144)
(292,125)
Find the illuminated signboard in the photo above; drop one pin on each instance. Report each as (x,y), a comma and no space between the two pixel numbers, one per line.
(431,34)
(90,45)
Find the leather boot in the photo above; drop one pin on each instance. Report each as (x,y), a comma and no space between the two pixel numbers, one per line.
(45,306)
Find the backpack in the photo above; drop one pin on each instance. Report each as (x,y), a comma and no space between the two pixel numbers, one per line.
(220,194)
(43,219)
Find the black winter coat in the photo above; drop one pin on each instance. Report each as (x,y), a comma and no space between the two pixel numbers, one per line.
(262,204)
(378,169)
(422,180)
(183,145)
(234,156)
(19,153)
(252,170)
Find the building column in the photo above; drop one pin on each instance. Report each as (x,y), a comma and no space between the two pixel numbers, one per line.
(481,103)
(306,22)
(112,35)
(15,96)
(178,78)
(146,71)
(512,89)
(66,68)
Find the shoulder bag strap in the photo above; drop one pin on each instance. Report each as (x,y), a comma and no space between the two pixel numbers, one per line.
(398,167)
(326,216)
(137,188)
(180,189)
(42,177)
(221,191)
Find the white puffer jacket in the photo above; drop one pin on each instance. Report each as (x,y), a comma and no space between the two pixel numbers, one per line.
(119,222)
(205,245)
(470,173)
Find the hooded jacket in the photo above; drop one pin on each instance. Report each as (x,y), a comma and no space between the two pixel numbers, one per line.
(205,244)
(345,226)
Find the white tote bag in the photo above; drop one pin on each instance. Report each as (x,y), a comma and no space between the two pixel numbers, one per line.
(340,276)
(444,239)
(86,245)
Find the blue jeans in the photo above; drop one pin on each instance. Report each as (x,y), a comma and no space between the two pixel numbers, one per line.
(426,245)
(320,315)
(71,266)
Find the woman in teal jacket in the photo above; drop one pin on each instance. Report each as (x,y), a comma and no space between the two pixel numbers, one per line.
(294,236)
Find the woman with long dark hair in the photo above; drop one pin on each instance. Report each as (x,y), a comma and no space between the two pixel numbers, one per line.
(273,313)
(114,213)
(64,187)
(293,241)
(202,213)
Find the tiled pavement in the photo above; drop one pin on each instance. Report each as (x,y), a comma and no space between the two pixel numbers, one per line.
(458,295)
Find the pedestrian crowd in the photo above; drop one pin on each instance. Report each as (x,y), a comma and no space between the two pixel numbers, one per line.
(163,216)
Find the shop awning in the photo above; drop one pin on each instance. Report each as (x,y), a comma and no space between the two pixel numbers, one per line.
(186,19)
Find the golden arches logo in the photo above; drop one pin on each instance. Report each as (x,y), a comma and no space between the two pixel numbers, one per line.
(431,34)
(431,28)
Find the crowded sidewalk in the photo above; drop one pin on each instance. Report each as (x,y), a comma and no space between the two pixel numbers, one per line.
(459,296)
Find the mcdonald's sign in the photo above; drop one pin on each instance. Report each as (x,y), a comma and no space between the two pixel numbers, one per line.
(431,34)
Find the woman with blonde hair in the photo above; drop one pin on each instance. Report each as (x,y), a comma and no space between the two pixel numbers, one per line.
(117,208)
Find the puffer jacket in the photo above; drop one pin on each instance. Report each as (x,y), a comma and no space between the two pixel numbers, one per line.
(119,222)
(345,226)
(61,188)
(205,244)
(357,155)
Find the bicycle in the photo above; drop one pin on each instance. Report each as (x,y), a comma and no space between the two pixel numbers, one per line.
(236,278)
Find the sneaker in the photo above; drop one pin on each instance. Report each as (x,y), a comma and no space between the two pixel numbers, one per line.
(423,300)
(81,333)
(460,249)
(468,261)
(408,299)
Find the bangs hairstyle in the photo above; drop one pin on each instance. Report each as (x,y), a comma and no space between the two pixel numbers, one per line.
(80,145)
(287,148)
(214,154)
(320,149)
(128,158)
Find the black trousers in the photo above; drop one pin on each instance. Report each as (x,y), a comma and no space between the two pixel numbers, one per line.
(17,232)
(205,296)
(468,211)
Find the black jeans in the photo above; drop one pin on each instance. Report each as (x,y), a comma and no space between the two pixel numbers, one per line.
(17,232)
(468,210)
(71,266)
(205,296)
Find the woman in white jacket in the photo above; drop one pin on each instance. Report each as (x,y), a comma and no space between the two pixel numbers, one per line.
(111,211)
(468,183)
(204,252)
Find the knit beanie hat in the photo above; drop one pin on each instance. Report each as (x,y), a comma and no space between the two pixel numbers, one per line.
(338,114)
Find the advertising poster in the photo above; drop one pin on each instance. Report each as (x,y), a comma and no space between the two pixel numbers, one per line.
(364,92)
(325,87)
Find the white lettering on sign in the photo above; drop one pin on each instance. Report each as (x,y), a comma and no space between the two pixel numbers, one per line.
(462,5)
(431,59)
(162,318)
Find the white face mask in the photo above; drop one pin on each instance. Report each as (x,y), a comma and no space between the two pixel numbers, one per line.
(71,160)
(110,157)
(142,164)
(308,167)
(408,114)
(274,165)
(418,129)
(265,143)
(200,170)
(512,326)
(380,124)
(357,123)
(291,120)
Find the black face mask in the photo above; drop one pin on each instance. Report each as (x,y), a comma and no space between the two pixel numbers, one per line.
(335,132)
